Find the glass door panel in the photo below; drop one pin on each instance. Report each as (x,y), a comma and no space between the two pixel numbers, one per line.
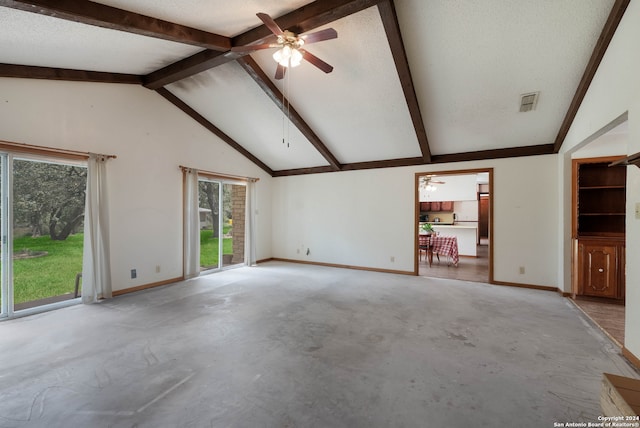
(48,212)
(4,283)
(209,207)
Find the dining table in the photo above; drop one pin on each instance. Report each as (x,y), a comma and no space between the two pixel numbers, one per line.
(440,245)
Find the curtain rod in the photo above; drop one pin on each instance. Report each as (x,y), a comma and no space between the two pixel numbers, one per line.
(48,151)
(219,175)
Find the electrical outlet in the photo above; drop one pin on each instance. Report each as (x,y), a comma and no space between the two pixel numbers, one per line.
(638,210)
(157,268)
(134,274)
(298,251)
(521,270)
(393,259)
(308,252)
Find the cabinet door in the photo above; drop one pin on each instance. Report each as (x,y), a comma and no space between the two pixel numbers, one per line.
(425,206)
(598,269)
(447,206)
(436,206)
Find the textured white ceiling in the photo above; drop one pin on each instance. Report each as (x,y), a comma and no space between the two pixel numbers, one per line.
(232,101)
(472,60)
(216,16)
(31,39)
(358,110)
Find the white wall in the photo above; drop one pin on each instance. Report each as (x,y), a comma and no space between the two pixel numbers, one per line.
(360,218)
(615,90)
(466,210)
(363,218)
(150,138)
(607,145)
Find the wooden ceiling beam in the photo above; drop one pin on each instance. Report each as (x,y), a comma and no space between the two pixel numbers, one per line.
(166,94)
(306,18)
(511,152)
(301,20)
(269,88)
(90,13)
(199,62)
(50,73)
(392,29)
(609,29)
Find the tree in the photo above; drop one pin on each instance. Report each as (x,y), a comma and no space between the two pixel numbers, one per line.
(208,194)
(49,198)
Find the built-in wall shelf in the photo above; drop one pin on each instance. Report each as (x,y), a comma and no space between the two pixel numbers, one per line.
(598,227)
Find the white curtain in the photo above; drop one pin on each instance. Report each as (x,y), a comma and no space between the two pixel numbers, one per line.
(250,225)
(191,224)
(96,265)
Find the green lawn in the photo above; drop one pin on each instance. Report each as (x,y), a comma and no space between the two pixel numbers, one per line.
(209,247)
(50,275)
(55,273)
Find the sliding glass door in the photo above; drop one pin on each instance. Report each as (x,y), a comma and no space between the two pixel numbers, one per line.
(4,253)
(221,214)
(42,223)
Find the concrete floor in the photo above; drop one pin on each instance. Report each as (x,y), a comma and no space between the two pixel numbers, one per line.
(286,345)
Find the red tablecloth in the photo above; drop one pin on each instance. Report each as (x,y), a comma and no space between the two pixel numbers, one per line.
(445,245)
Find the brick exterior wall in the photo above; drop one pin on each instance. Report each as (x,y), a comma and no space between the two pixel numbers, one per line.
(238,209)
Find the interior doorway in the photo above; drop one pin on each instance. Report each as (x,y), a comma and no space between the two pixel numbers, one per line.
(455,204)
(483,217)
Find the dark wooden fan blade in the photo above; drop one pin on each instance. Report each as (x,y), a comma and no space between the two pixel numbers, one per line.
(250,48)
(321,35)
(280,70)
(316,61)
(270,23)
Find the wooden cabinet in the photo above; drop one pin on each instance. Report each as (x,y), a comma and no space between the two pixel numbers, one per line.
(600,268)
(598,228)
(446,206)
(436,206)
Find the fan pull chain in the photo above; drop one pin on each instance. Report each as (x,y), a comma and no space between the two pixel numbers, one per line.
(289,105)
(283,115)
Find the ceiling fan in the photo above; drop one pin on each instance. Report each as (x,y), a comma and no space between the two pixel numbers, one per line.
(291,53)
(427,182)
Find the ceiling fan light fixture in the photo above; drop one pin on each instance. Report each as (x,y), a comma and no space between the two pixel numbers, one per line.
(296,58)
(288,56)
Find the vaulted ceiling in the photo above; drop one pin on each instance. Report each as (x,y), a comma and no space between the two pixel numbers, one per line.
(414,81)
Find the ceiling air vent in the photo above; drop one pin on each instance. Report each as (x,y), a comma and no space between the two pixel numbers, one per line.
(528,101)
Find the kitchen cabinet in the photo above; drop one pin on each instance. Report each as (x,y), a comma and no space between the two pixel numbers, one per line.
(598,228)
(446,206)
